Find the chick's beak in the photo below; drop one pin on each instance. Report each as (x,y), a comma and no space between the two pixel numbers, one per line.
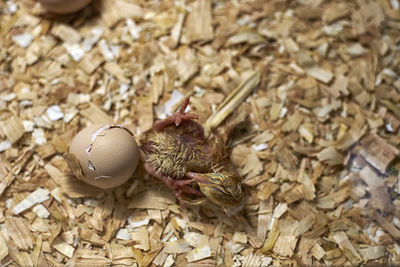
(198,177)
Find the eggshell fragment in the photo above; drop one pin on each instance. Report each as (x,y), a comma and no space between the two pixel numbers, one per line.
(64,6)
(107,155)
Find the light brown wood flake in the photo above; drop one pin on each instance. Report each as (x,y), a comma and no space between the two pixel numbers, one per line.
(5,177)
(90,62)
(144,259)
(330,156)
(22,258)
(198,23)
(304,249)
(338,87)
(187,64)
(286,157)
(253,166)
(3,247)
(95,114)
(45,151)
(336,11)
(141,238)
(293,122)
(37,251)
(320,74)
(347,247)
(305,225)
(145,115)
(177,30)
(354,134)
(152,199)
(66,33)
(13,129)
(101,212)
(378,152)
(371,13)
(18,229)
(372,253)
(92,237)
(177,246)
(334,199)
(63,247)
(115,70)
(119,251)
(157,87)
(155,215)
(387,226)
(317,251)
(266,190)
(115,10)
(69,184)
(286,241)
(252,235)
(245,36)
(264,218)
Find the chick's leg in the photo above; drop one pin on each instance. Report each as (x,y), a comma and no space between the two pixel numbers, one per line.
(176,118)
(177,186)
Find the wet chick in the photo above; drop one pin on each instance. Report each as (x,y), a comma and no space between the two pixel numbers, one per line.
(178,153)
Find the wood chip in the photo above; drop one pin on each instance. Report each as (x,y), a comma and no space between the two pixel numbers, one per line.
(177,246)
(141,236)
(372,253)
(377,152)
(320,74)
(95,114)
(145,113)
(63,247)
(71,185)
(113,11)
(3,247)
(115,70)
(390,228)
(200,11)
(199,253)
(18,229)
(331,156)
(38,196)
(13,129)
(152,199)
(347,247)
(379,191)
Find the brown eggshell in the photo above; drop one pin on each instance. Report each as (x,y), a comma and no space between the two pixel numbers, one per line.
(108,161)
(64,6)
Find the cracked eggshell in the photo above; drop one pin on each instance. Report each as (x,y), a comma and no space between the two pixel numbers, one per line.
(64,6)
(107,154)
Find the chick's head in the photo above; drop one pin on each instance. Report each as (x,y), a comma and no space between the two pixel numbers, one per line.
(222,188)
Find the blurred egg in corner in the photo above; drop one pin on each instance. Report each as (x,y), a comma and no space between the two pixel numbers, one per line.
(64,6)
(103,155)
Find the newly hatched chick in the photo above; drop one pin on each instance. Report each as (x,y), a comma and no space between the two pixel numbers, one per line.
(178,153)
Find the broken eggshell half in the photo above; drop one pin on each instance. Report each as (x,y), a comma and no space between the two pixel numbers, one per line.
(103,155)
(64,6)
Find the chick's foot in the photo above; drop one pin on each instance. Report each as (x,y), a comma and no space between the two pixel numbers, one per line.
(176,118)
(177,186)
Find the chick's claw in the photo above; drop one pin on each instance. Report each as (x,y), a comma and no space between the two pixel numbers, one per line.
(181,186)
(180,117)
(178,186)
(176,118)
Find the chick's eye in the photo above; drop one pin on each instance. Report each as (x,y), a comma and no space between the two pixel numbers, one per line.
(216,177)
